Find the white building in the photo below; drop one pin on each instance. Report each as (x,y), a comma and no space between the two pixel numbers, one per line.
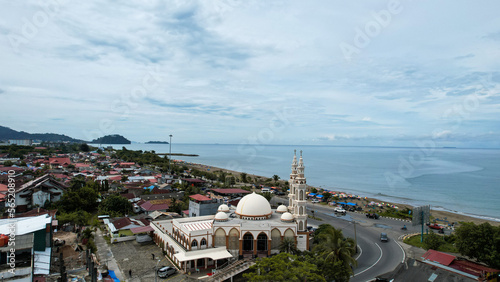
(36,192)
(21,142)
(252,230)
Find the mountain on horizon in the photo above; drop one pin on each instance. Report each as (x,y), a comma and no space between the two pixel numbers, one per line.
(7,133)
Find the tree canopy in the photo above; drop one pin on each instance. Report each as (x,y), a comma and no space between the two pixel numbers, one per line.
(115,205)
(481,242)
(283,267)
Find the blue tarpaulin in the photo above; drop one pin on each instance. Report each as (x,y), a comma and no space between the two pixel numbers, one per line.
(112,274)
(150,187)
(319,196)
(312,194)
(351,204)
(341,203)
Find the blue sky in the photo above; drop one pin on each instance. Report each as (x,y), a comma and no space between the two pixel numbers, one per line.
(393,73)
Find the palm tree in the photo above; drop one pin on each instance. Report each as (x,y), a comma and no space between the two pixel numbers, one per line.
(276,178)
(288,246)
(337,248)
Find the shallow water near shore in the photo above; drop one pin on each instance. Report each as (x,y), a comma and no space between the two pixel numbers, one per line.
(463,181)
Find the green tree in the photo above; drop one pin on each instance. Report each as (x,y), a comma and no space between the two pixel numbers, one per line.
(276,178)
(335,248)
(314,190)
(326,196)
(84,147)
(116,205)
(433,241)
(481,242)
(287,245)
(283,267)
(243,177)
(268,196)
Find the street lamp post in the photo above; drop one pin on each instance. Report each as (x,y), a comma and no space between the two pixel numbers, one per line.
(170,155)
(156,271)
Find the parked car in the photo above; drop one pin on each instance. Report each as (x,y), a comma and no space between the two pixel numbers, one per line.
(339,210)
(166,271)
(383,237)
(59,242)
(372,215)
(315,201)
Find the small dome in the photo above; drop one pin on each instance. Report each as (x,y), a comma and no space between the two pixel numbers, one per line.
(281,209)
(221,216)
(287,217)
(254,206)
(223,208)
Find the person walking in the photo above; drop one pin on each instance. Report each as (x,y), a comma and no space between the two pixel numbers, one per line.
(153,256)
(130,272)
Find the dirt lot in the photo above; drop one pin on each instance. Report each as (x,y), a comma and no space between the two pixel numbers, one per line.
(72,259)
(131,255)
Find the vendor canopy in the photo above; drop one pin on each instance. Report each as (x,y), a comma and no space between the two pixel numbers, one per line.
(212,253)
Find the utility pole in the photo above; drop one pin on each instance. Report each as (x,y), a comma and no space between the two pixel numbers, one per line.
(170,154)
(156,267)
(355,237)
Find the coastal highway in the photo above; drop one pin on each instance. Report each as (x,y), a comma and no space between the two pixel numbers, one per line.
(374,257)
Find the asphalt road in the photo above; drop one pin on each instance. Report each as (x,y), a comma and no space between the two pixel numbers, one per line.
(374,257)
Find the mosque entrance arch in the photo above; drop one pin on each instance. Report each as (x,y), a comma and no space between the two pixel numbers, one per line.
(262,242)
(248,242)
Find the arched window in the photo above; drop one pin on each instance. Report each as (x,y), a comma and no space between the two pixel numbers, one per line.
(275,239)
(301,225)
(203,242)
(301,198)
(234,239)
(194,243)
(301,211)
(220,238)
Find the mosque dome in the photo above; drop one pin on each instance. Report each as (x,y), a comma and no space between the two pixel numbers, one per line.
(223,208)
(281,209)
(288,217)
(254,207)
(221,216)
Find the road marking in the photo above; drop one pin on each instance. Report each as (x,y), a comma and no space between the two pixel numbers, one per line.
(404,254)
(381,253)
(361,251)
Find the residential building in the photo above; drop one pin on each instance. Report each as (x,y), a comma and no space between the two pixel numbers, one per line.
(33,241)
(200,205)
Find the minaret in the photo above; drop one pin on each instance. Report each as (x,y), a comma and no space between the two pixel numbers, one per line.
(291,181)
(299,204)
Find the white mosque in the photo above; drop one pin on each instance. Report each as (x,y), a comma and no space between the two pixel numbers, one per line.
(252,229)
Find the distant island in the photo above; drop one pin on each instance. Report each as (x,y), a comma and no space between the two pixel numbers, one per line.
(7,134)
(111,139)
(157,142)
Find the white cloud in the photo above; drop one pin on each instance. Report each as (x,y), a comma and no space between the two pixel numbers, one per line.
(224,67)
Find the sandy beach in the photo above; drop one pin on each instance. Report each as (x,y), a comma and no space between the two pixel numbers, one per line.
(439,216)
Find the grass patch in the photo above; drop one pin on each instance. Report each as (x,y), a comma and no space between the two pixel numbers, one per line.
(313,217)
(126,232)
(395,213)
(446,246)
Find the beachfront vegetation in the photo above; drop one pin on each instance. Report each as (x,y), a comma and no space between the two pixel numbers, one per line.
(396,213)
(480,242)
(434,241)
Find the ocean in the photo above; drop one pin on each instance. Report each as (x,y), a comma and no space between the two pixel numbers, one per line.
(453,179)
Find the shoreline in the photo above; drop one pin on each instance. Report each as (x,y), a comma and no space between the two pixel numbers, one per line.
(440,214)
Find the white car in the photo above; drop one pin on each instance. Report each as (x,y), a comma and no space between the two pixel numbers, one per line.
(339,210)
(315,201)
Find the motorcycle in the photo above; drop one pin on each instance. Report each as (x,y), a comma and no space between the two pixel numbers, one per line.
(404,227)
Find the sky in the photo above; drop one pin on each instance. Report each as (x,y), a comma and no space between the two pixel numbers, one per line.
(379,73)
